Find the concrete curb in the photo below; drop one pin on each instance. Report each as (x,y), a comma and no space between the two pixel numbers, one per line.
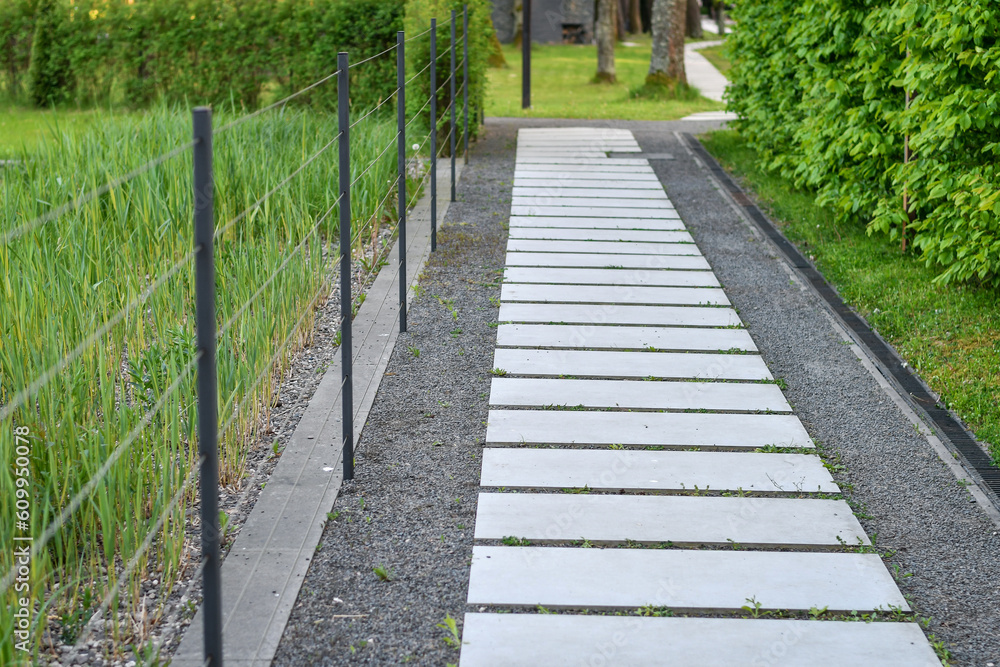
(264,569)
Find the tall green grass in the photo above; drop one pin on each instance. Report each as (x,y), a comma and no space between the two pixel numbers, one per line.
(64,280)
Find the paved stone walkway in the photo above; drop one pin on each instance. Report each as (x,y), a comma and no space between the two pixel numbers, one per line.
(624,375)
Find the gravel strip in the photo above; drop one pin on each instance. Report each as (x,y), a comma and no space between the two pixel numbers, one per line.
(410,511)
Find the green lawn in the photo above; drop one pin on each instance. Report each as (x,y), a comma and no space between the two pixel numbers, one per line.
(950,335)
(717,56)
(22,127)
(561,87)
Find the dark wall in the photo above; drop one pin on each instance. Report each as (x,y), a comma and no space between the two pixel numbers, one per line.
(548,18)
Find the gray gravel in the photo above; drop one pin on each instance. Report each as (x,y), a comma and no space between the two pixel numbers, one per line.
(419,462)
(412,506)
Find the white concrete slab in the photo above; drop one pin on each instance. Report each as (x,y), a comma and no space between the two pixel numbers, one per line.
(587,173)
(578,222)
(556,191)
(562,640)
(617,364)
(603,261)
(573,131)
(594,211)
(686,521)
(623,337)
(637,395)
(638,163)
(614,294)
(663,278)
(601,148)
(528,141)
(556,314)
(602,247)
(657,203)
(668,429)
(642,470)
(587,138)
(641,235)
(526,153)
(574,182)
(680,579)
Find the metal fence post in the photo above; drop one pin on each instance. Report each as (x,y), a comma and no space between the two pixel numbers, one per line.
(465,77)
(454,131)
(401,166)
(208,400)
(434,185)
(346,344)
(526,55)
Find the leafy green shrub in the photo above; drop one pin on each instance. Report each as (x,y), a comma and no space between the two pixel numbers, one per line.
(199,51)
(16,36)
(821,89)
(418,19)
(48,79)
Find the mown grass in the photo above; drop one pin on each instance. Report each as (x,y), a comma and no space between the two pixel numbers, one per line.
(718,56)
(64,280)
(561,85)
(22,127)
(950,335)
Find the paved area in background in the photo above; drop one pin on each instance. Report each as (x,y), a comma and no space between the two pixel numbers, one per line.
(705,77)
(538,401)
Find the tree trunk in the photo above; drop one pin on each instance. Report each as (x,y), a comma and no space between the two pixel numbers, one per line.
(604,30)
(694,19)
(720,18)
(619,21)
(675,43)
(659,25)
(635,16)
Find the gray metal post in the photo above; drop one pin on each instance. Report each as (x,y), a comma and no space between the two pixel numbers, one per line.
(346,344)
(465,77)
(401,166)
(208,400)
(453,130)
(526,55)
(434,102)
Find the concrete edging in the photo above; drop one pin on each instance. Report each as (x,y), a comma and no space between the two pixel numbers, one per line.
(264,569)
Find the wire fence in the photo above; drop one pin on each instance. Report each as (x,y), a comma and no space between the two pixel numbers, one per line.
(36,554)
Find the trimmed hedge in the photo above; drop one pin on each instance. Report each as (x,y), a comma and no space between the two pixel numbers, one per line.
(195,51)
(481,32)
(821,88)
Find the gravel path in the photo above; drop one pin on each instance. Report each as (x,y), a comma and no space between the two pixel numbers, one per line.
(412,507)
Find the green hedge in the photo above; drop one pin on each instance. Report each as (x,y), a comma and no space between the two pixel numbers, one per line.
(195,51)
(17,30)
(418,19)
(245,52)
(821,86)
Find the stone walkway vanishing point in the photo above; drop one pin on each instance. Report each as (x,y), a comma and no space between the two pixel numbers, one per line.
(623,374)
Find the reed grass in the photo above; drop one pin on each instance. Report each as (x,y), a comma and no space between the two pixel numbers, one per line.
(64,280)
